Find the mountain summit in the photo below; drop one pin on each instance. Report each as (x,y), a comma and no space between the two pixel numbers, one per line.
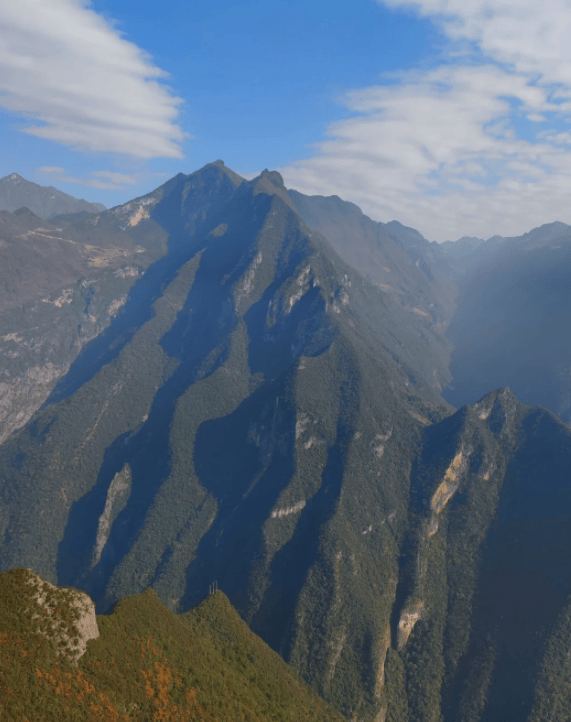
(45,201)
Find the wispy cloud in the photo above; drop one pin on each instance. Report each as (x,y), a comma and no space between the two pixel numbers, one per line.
(533,37)
(51,169)
(110,180)
(440,149)
(115,177)
(63,63)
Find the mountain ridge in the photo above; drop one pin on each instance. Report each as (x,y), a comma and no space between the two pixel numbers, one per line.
(508,328)
(45,201)
(141,662)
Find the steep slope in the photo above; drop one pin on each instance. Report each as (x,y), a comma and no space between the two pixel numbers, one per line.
(248,417)
(60,286)
(398,260)
(45,201)
(482,613)
(139,663)
(509,329)
(478,629)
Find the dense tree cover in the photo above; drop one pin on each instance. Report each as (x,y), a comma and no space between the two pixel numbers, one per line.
(147,664)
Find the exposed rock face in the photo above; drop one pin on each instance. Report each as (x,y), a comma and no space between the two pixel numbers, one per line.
(21,397)
(384,644)
(407,621)
(42,351)
(117,497)
(67,615)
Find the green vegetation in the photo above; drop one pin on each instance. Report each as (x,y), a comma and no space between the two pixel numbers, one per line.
(147,664)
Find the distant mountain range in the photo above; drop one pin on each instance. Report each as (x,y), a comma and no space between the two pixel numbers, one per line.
(509,328)
(45,201)
(267,408)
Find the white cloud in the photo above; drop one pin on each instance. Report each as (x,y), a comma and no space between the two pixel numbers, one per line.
(115,177)
(563,138)
(439,150)
(112,180)
(63,63)
(536,117)
(534,36)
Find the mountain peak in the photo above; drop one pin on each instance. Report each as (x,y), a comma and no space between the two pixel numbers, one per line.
(220,166)
(273,176)
(500,396)
(25,211)
(234,674)
(44,201)
(499,409)
(271,183)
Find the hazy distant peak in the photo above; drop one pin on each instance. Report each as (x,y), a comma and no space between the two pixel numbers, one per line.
(397,226)
(554,225)
(547,231)
(45,201)
(474,240)
(25,211)
(327,204)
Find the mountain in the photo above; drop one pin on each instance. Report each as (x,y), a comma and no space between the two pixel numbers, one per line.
(244,418)
(262,413)
(459,252)
(45,201)
(394,257)
(60,286)
(467,253)
(139,663)
(483,597)
(509,328)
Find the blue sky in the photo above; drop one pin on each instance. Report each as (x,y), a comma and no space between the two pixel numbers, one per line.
(450,117)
